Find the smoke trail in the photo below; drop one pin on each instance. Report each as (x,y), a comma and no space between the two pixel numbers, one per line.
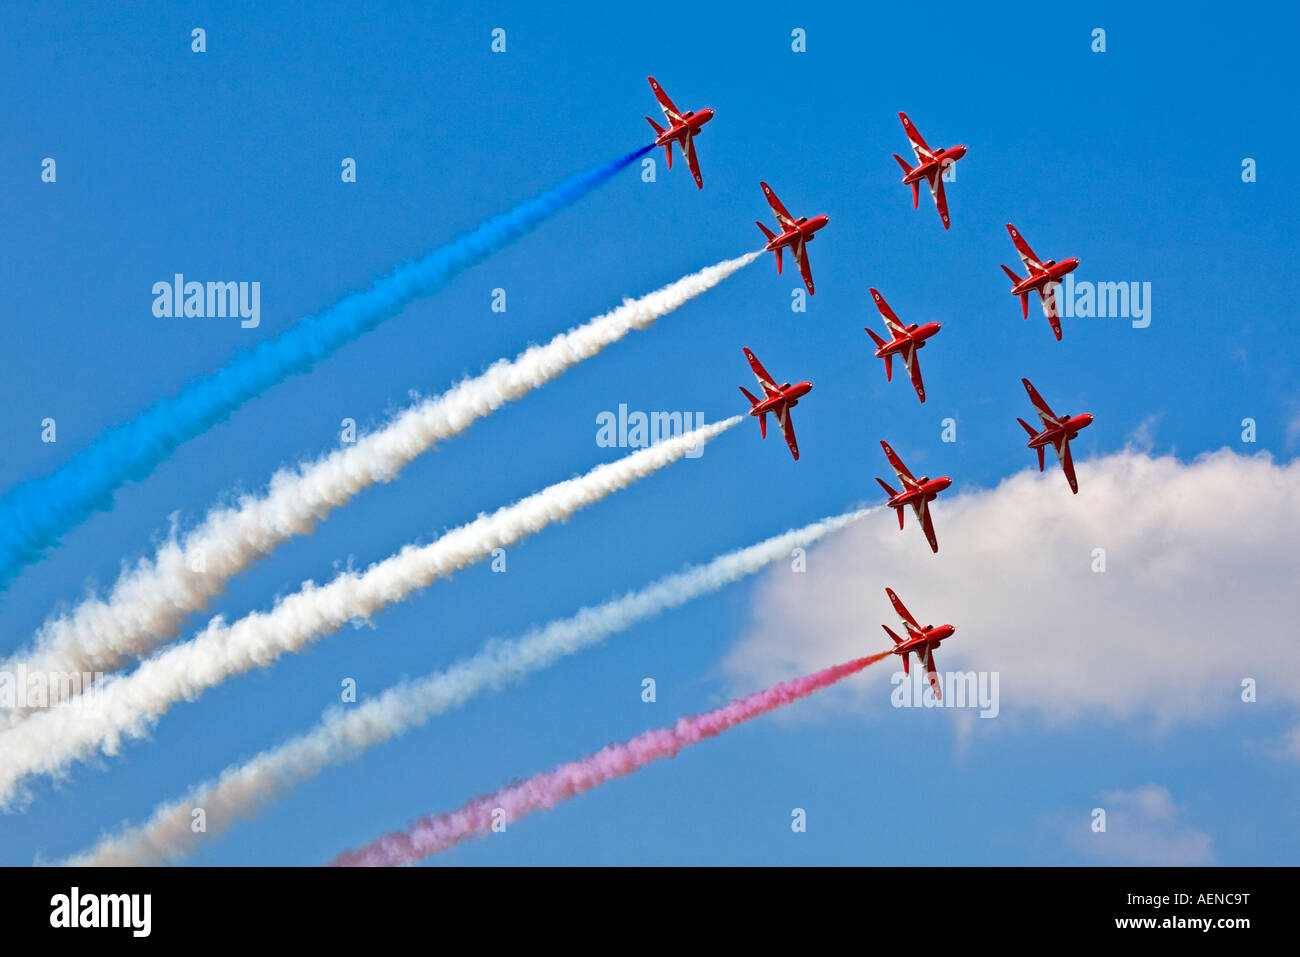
(437,833)
(344,733)
(35,514)
(127,705)
(150,602)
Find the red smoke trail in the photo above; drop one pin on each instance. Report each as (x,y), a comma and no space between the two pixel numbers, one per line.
(438,832)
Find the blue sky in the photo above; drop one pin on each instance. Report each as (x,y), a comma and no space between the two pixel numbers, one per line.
(225,165)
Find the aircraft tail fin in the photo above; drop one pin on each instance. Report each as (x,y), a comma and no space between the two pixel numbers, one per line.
(1011,275)
(658,129)
(885,486)
(1041,462)
(890,632)
(874,338)
(916,187)
(1027,427)
(889,368)
(771,236)
(762,418)
(899,510)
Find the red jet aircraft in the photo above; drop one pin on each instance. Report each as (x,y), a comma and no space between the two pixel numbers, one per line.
(1041,279)
(930,166)
(682,128)
(777,399)
(1057,432)
(921,641)
(918,493)
(795,234)
(906,340)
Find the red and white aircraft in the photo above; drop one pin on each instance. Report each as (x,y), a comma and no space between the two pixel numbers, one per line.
(1057,432)
(777,399)
(795,233)
(930,166)
(917,492)
(682,128)
(921,641)
(1042,279)
(905,342)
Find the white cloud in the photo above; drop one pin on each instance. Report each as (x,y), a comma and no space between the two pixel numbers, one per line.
(1197,595)
(1143,827)
(1143,437)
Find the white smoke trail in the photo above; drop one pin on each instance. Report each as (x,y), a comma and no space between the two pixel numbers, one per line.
(150,602)
(344,733)
(127,705)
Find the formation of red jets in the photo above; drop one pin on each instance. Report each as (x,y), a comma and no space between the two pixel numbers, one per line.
(904,341)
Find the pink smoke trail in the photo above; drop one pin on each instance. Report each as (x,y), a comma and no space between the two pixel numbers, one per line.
(438,832)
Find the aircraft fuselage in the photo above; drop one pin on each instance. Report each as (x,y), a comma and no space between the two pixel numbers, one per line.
(915,334)
(804,228)
(927,489)
(943,158)
(788,397)
(691,124)
(1052,271)
(1069,429)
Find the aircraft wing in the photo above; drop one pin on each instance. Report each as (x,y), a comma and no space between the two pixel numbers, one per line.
(935,180)
(922,509)
(1032,262)
(761,374)
(1047,294)
(914,369)
(923,153)
(800,250)
(787,429)
(891,320)
(900,469)
(674,115)
(782,214)
(1049,418)
(692,162)
(900,609)
(1067,463)
(932,673)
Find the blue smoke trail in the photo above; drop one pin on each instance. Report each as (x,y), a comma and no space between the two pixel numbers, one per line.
(35,514)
